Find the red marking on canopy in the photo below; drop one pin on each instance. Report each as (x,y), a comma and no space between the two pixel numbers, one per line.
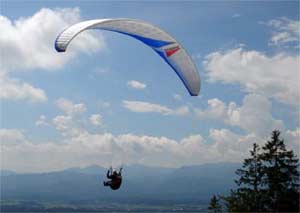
(171,51)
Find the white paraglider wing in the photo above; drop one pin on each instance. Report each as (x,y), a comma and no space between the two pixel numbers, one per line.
(161,42)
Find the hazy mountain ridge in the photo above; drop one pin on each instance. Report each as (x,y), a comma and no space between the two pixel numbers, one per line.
(141,184)
(5,172)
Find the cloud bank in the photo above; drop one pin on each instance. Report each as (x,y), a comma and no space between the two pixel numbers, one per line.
(105,149)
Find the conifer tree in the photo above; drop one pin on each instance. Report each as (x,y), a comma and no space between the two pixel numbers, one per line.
(249,182)
(214,205)
(281,178)
(268,180)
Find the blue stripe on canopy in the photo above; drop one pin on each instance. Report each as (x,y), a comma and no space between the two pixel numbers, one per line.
(149,41)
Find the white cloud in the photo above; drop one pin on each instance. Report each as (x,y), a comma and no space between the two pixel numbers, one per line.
(146,107)
(277,77)
(67,125)
(28,44)
(182,111)
(62,123)
(136,85)
(216,110)
(42,121)
(96,119)
(140,106)
(292,140)
(231,146)
(28,41)
(69,107)
(285,31)
(11,136)
(254,115)
(177,97)
(84,149)
(72,122)
(14,89)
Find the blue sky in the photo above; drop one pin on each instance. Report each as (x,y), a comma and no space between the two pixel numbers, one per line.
(112,96)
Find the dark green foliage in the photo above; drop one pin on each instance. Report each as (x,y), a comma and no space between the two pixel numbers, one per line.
(214,205)
(281,175)
(268,180)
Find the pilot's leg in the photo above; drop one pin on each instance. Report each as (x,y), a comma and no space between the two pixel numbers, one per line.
(107,183)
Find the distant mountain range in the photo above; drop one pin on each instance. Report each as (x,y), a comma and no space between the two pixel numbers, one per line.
(189,184)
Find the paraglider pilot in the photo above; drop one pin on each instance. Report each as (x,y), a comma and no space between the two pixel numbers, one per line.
(116,179)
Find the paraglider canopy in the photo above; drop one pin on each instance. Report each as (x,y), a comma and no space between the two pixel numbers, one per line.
(161,42)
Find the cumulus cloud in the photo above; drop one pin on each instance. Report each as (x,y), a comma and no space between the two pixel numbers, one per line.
(232,146)
(42,121)
(96,119)
(28,45)
(277,77)
(11,136)
(68,126)
(285,31)
(72,122)
(15,89)
(62,123)
(253,116)
(136,85)
(69,107)
(216,110)
(146,107)
(28,41)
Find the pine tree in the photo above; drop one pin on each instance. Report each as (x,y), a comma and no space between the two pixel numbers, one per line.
(234,202)
(249,182)
(281,177)
(268,181)
(248,197)
(214,205)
